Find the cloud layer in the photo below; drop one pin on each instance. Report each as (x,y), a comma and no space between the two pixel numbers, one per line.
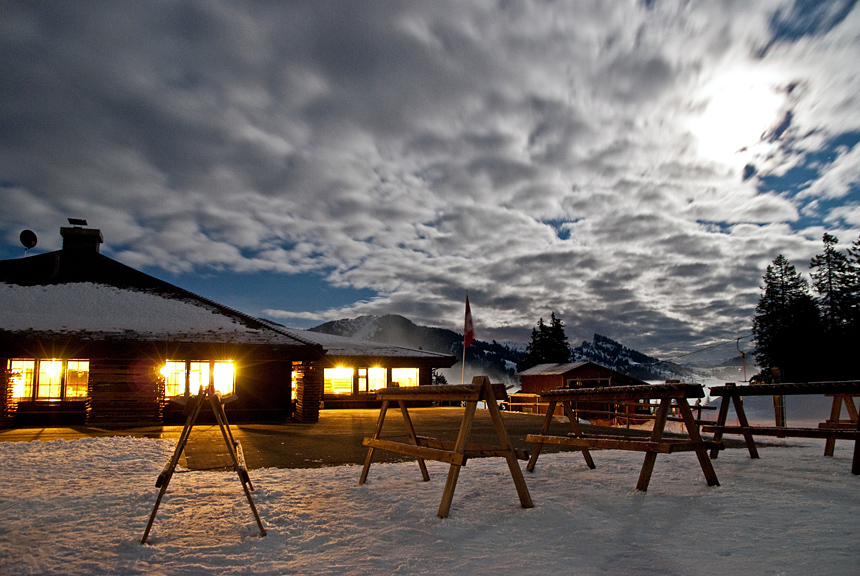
(632,166)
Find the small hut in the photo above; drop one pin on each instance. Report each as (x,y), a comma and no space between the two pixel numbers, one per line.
(584,374)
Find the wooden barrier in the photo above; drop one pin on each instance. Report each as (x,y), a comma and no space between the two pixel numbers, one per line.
(667,394)
(453,453)
(831,430)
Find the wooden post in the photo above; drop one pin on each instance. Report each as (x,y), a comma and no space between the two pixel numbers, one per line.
(656,435)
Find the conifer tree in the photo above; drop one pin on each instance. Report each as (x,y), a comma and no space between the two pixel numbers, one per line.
(785,325)
(549,344)
(831,279)
(558,349)
(854,290)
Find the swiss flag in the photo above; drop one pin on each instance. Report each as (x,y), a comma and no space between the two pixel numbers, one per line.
(469,329)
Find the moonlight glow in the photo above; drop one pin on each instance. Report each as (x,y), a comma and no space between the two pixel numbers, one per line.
(740,108)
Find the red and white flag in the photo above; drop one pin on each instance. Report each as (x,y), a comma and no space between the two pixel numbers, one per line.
(469,329)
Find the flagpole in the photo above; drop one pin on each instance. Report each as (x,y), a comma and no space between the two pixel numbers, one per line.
(468,335)
(463,376)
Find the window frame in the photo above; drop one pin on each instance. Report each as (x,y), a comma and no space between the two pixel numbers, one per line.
(33,386)
(206,372)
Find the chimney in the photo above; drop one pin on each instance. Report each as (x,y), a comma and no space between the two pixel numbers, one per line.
(79,239)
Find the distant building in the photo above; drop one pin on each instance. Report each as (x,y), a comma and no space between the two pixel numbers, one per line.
(586,374)
(353,369)
(86,339)
(572,375)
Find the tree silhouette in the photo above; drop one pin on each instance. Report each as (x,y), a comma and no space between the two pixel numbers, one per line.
(785,325)
(831,279)
(549,344)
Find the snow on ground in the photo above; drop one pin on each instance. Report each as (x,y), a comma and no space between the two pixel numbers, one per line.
(80,507)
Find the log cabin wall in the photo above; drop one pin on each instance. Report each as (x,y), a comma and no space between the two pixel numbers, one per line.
(263,392)
(125,392)
(542,383)
(7,409)
(309,391)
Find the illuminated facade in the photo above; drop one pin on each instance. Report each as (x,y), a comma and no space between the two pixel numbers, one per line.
(87,340)
(93,341)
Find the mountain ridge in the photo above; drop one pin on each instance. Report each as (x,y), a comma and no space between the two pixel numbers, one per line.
(500,361)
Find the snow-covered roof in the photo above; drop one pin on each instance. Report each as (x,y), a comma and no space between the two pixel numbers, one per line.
(552,369)
(344,346)
(99,311)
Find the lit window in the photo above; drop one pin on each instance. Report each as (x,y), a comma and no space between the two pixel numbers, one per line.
(51,379)
(21,372)
(222,377)
(50,383)
(405,376)
(338,380)
(77,377)
(174,378)
(198,375)
(294,381)
(376,378)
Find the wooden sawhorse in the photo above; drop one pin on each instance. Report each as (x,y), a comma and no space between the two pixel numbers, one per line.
(454,453)
(667,394)
(834,421)
(831,430)
(193,406)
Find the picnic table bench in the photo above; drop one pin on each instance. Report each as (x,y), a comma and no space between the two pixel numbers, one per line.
(667,394)
(831,429)
(455,453)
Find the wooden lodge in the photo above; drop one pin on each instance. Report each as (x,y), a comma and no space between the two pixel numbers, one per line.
(85,339)
(571,375)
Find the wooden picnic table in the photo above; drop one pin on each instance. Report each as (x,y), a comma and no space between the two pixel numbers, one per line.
(832,429)
(454,453)
(667,394)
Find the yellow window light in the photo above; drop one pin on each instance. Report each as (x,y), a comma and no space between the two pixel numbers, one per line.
(22,372)
(223,377)
(376,378)
(338,380)
(49,385)
(174,378)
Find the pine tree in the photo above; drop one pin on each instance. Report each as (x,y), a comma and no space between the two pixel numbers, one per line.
(785,325)
(558,349)
(831,279)
(549,344)
(854,290)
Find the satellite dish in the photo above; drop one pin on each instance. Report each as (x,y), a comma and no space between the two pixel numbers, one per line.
(28,239)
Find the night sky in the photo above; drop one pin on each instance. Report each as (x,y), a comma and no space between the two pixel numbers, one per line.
(632,166)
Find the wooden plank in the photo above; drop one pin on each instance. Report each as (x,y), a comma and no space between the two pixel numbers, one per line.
(604,442)
(839,434)
(471,449)
(453,392)
(424,452)
(841,425)
(787,389)
(618,393)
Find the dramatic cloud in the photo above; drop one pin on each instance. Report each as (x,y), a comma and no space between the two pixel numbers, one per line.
(632,166)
